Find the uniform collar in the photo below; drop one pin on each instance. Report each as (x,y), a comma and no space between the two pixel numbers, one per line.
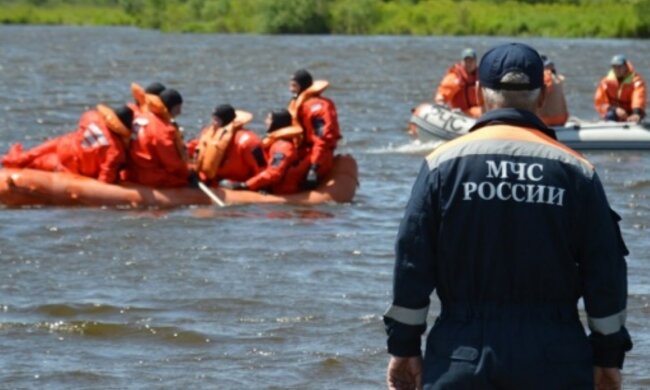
(513,116)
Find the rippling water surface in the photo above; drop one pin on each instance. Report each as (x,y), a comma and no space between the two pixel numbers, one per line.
(249,297)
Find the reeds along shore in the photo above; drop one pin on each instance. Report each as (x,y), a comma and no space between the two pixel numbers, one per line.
(548,18)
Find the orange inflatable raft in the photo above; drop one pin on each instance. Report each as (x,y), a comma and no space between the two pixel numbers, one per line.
(27,187)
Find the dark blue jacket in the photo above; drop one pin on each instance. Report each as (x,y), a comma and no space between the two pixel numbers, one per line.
(504,217)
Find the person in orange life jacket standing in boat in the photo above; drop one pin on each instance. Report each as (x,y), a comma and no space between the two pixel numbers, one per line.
(543,237)
(317,116)
(226,152)
(457,89)
(96,149)
(554,111)
(157,156)
(285,171)
(621,95)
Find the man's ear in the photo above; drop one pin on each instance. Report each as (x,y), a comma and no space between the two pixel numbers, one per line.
(542,97)
(479,97)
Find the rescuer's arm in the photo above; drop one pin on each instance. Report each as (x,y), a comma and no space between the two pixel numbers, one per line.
(604,272)
(413,280)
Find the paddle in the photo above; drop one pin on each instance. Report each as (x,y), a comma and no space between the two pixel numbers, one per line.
(206,190)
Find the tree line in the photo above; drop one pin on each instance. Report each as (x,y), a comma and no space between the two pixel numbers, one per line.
(547,18)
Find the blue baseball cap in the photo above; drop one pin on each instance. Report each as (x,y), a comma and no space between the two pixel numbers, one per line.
(511,57)
(618,59)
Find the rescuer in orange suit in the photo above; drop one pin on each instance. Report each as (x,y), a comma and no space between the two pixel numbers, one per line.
(157,153)
(96,149)
(226,152)
(318,118)
(458,88)
(554,111)
(621,95)
(285,171)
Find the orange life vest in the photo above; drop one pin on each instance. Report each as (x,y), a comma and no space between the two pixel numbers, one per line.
(458,90)
(315,89)
(213,144)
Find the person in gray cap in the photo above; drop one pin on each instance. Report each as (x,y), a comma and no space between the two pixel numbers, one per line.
(621,95)
(457,90)
(510,228)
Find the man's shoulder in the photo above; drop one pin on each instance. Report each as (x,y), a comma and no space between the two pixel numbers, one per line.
(509,141)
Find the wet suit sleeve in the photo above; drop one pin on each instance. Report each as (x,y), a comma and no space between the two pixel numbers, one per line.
(604,274)
(601,100)
(325,125)
(448,88)
(414,279)
(639,96)
(114,160)
(274,172)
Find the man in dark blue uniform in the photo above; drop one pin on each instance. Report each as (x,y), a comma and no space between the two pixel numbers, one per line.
(511,228)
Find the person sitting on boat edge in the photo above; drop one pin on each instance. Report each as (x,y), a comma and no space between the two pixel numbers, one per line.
(554,111)
(457,90)
(285,171)
(157,155)
(317,116)
(227,151)
(97,149)
(621,95)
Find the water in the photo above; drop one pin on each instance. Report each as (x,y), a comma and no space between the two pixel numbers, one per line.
(250,297)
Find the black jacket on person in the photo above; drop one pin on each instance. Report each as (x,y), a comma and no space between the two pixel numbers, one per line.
(510,227)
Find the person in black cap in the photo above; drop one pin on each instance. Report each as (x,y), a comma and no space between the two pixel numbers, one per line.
(457,90)
(285,171)
(97,149)
(621,95)
(158,157)
(317,116)
(510,228)
(228,153)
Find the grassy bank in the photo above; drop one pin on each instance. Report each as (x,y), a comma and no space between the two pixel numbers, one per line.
(549,18)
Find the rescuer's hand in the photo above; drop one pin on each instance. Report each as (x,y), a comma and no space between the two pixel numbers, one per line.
(404,373)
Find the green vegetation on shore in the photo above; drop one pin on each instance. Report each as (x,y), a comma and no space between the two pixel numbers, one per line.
(548,18)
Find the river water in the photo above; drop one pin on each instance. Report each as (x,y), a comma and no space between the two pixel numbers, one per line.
(251,297)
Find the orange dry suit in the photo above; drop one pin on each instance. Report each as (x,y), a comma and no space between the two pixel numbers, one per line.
(458,90)
(554,112)
(157,155)
(230,152)
(96,149)
(285,171)
(318,118)
(628,93)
